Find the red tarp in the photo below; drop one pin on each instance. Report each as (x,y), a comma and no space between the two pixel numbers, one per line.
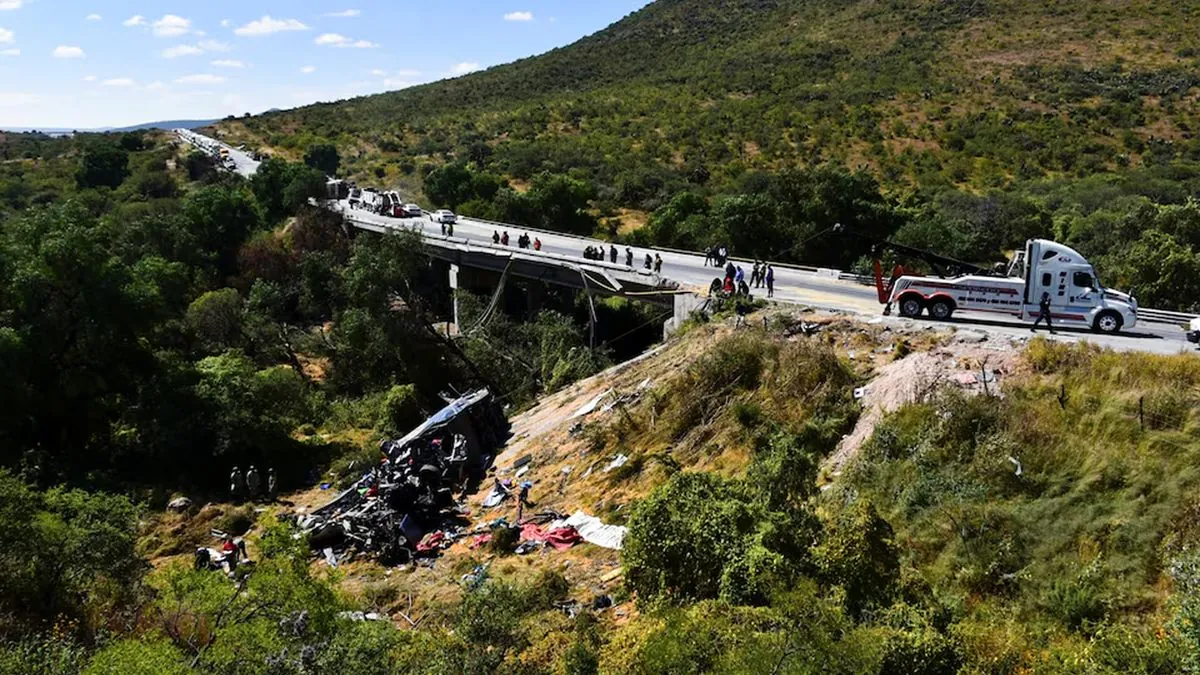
(561,539)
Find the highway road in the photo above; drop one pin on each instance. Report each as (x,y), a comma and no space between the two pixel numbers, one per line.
(792,286)
(243,163)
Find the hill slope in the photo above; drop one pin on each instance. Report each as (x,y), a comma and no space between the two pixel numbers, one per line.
(929,92)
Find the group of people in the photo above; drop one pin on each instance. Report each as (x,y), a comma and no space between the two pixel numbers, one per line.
(597,253)
(735,280)
(523,242)
(250,485)
(717,255)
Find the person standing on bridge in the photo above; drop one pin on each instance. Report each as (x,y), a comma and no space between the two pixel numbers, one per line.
(450,229)
(770,276)
(495,237)
(1043,314)
(739,276)
(443,228)
(730,271)
(537,244)
(649,261)
(612,254)
(708,257)
(628,257)
(657,264)
(504,238)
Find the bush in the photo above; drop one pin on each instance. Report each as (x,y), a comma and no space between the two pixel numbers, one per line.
(697,537)
(400,412)
(138,657)
(858,553)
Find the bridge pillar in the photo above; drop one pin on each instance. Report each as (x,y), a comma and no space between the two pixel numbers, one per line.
(454,291)
(685,305)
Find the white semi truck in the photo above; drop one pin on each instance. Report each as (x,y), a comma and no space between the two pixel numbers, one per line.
(1077,298)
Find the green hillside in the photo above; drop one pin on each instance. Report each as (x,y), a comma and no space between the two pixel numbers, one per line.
(925,92)
(965,126)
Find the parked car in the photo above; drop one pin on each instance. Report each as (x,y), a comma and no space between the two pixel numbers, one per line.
(444,217)
(412,211)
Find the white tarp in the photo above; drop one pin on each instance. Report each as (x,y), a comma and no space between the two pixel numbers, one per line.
(592,530)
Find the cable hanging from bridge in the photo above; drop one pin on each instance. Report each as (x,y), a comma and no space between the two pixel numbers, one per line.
(486,317)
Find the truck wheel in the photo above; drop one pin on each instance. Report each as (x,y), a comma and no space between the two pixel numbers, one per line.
(941,310)
(1108,322)
(911,307)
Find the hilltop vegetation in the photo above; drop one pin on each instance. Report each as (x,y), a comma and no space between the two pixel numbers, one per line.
(980,122)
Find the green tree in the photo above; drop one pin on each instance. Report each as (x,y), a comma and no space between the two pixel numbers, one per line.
(216,319)
(450,185)
(323,157)
(102,165)
(562,203)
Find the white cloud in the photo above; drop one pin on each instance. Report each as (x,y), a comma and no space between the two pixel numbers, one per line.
(379,73)
(6,36)
(6,5)
(172,25)
(464,68)
(94,17)
(200,79)
(12,99)
(135,20)
(228,63)
(213,46)
(89,78)
(267,26)
(10,52)
(345,14)
(226,23)
(156,85)
(519,16)
(118,82)
(66,52)
(181,50)
(336,40)
(307,70)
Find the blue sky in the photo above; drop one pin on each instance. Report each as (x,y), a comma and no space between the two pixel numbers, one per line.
(88,64)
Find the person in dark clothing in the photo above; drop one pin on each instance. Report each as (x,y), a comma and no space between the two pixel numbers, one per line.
(649,261)
(730,270)
(770,275)
(495,237)
(628,257)
(504,238)
(657,264)
(612,254)
(237,485)
(1043,314)
(708,256)
(272,485)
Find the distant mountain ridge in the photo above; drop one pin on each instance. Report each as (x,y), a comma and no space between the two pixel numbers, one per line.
(169,124)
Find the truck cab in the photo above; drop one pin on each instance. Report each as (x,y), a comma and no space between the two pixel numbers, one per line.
(1077,297)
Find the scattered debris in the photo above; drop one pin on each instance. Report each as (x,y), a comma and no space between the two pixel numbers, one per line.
(593,530)
(1017,463)
(179,504)
(591,405)
(392,507)
(618,462)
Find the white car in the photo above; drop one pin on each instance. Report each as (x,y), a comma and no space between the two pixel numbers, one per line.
(412,211)
(444,217)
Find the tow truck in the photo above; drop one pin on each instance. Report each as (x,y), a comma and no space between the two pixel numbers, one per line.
(1077,298)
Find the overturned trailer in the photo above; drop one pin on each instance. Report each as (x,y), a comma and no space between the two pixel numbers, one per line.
(390,508)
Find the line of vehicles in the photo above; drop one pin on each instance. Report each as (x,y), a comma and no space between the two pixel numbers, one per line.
(388,203)
(216,150)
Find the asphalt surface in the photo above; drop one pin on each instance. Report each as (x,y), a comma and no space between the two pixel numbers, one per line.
(243,163)
(792,286)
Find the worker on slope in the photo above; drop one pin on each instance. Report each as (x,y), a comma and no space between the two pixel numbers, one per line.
(253,482)
(1043,314)
(272,485)
(237,485)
